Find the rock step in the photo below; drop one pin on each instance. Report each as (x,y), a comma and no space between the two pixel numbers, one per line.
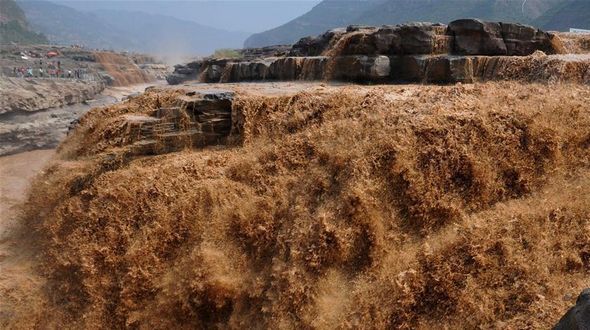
(166,130)
(413,68)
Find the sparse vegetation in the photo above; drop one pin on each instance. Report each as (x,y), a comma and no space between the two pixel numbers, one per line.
(227,53)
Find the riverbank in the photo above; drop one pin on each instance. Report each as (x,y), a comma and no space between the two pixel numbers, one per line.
(23,130)
(36,94)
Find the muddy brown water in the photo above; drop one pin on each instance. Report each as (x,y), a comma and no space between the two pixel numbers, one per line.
(28,142)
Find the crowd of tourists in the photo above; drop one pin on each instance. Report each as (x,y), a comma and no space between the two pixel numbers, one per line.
(49,69)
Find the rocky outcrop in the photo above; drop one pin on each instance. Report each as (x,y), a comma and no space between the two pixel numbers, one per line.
(158,71)
(360,68)
(200,119)
(578,317)
(475,37)
(24,131)
(285,68)
(184,72)
(316,46)
(464,51)
(407,39)
(407,69)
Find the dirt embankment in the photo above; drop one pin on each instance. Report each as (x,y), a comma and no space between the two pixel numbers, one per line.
(387,207)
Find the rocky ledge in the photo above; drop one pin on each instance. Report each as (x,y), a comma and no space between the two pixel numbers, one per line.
(463,51)
(198,119)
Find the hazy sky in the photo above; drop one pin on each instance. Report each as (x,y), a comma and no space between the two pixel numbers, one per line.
(235,15)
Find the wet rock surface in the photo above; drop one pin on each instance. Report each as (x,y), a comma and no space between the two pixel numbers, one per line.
(578,317)
(407,39)
(474,37)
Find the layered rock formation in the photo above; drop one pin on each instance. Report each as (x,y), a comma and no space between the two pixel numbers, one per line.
(198,119)
(464,51)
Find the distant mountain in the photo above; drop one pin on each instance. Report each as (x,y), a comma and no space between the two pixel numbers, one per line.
(399,11)
(334,13)
(570,14)
(232,15)
(127,30)
(163,34)
(14,26)
(64,25)
(10,11)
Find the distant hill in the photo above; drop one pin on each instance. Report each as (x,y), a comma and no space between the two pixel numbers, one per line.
(158,33)
(399,11)
(570,14)
(242,15)
(126,30)
(66,26)
(333,13)
(14,26)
